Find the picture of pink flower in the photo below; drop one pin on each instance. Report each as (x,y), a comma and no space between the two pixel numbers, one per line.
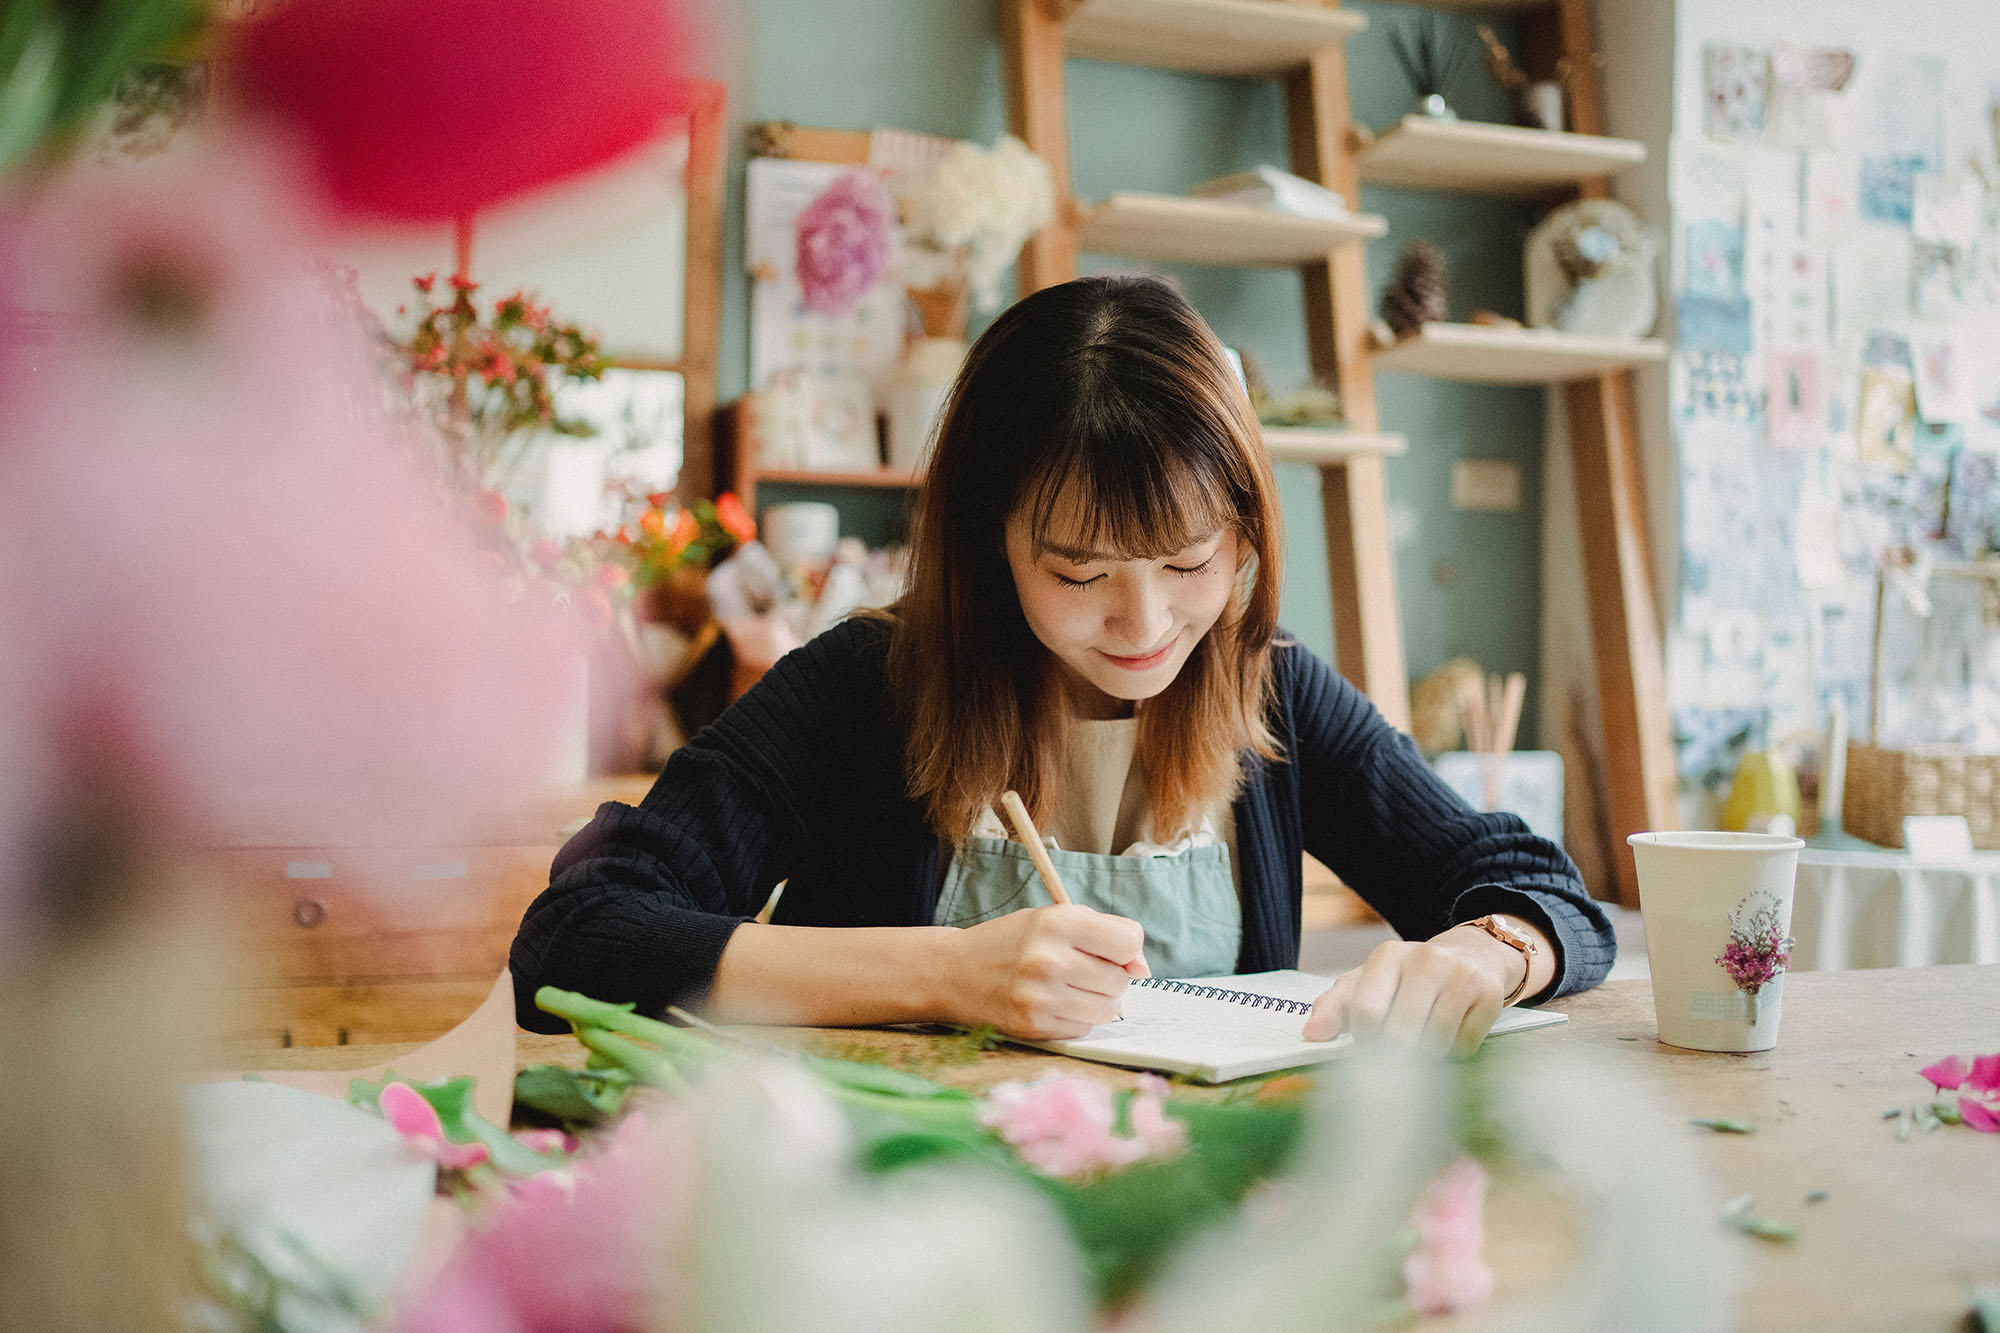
(1759,951)
(1977,1083)
(843,243)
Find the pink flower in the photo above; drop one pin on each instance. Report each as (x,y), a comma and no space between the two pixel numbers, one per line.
(227,577)
(588,1249)
(1063,1125)
(1947,1073)
(432,109)
(843,243)
(417,1121)
(1977,1082)
(1444,1272)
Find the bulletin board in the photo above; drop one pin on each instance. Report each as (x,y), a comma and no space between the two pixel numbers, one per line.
(1835,388)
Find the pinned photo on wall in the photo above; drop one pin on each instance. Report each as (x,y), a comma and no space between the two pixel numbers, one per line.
(1943,396)
(1828,201)
(1715,387)
(1802,108)
(1887,190)
(1800,315)
(1886,420)
(1735,85)
(1714,307)
(1795,402)
(1940,279)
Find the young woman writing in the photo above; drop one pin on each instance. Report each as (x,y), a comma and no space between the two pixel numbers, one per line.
(1090,620)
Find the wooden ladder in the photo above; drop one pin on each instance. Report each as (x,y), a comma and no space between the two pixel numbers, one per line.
(1039,35)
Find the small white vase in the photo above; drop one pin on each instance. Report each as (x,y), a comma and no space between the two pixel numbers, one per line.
(917,390)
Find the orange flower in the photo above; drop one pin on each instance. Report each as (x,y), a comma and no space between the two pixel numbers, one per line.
(683,535)
(653,523)
(734,518)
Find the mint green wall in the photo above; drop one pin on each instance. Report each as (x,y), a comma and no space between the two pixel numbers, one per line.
(934,65)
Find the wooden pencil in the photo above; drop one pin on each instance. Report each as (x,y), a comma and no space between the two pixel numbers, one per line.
(1016,815)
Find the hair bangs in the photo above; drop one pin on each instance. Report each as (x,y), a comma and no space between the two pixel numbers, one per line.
(1113,486)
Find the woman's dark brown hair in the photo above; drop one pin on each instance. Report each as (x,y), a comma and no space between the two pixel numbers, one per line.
(1112,395)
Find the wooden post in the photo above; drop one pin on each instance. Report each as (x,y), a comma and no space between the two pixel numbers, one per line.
(1031,43)
(702,312)
(1354,494)
(1627,640)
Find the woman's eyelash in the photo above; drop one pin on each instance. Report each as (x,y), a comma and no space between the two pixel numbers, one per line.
(1069,582)
(1190,572)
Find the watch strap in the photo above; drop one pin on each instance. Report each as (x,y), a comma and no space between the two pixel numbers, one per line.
(1513,939)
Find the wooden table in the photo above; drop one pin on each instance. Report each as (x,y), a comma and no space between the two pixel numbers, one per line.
(1906,1227)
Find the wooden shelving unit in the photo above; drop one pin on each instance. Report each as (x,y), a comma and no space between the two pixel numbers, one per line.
(1235,37)
(1206,231)
(1302,46)
(1484,354)
(1323,446)
(1425,153)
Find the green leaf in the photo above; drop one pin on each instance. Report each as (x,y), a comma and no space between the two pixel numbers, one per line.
(29,83)
(1737,1215)
(1986,1309)
(1723,1125)
(575,1097)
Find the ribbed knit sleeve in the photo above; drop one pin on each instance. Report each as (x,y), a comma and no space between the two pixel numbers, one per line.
(1377,815)
(642,901)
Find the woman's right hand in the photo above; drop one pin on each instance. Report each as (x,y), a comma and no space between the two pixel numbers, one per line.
(1046,972)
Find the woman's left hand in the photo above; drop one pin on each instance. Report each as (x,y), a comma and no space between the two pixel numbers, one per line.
(1441,993)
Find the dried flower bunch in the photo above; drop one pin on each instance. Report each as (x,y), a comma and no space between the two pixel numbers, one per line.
(971,213)
(1415,295)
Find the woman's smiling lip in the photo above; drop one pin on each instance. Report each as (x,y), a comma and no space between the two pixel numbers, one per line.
(1152,659)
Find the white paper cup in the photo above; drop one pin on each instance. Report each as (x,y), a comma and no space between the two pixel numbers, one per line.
(1697,893)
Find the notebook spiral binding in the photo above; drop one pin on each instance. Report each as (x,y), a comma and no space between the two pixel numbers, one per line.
(1250,998)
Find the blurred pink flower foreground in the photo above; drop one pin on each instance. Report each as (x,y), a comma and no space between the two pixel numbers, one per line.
(1064,1126)
(1446,1272)
(222,567)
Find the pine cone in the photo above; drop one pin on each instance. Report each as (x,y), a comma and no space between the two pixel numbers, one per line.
(1416,293)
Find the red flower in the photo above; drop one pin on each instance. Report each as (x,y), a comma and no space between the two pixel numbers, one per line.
(653,523)
(430,109)
(686,529)
(426,282)
(734,518)
(492,507)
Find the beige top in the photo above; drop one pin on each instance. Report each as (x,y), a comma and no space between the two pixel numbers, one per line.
(1099,802)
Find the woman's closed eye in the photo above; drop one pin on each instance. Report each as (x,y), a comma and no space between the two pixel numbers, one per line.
(1190,571)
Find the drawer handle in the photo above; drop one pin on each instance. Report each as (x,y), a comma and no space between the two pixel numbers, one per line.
(309,912)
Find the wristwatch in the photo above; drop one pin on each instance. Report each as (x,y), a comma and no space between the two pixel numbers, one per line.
(1514,938)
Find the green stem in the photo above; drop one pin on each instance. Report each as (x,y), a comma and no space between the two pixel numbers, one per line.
(650,1066)
(582,1011)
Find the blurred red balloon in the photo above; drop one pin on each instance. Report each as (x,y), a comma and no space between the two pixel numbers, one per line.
(431,109)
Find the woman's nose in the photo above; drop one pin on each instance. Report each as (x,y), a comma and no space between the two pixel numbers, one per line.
(1140,616)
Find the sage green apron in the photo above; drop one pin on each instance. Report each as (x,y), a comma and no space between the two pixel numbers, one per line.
(1186,901)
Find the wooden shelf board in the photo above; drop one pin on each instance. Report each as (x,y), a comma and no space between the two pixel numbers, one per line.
(1428,154)
(1249,38)
(1486,6)
(1478,354)
(1207,231)
(886,477)
(1324,445)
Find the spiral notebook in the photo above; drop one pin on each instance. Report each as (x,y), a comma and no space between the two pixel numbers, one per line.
(1214,1029)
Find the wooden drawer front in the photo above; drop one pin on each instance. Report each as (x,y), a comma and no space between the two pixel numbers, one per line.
(343,916)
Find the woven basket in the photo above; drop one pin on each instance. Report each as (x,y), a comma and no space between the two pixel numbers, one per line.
(1884,785)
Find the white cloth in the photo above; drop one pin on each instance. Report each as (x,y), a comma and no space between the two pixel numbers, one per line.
(1885,909)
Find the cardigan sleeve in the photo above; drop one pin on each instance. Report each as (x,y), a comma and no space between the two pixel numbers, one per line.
(642,901)
(1376,814)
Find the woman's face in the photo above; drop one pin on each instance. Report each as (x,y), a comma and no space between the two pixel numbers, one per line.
(1121,628)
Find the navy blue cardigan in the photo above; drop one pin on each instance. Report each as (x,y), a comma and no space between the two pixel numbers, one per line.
(803,779)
